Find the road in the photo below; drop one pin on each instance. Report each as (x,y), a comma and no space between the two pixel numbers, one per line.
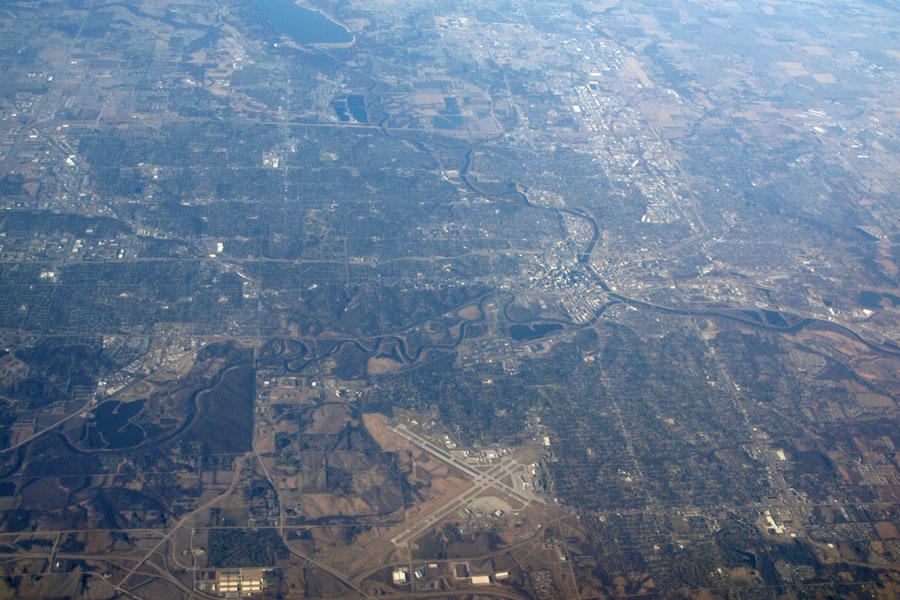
(238,465)
(78,413)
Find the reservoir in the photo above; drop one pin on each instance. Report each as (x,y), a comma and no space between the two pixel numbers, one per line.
(302,25)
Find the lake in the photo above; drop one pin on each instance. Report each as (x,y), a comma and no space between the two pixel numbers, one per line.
(113,417)
(302,25)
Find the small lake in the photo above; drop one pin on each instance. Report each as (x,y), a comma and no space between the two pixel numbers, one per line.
(302,25)
(525,333)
